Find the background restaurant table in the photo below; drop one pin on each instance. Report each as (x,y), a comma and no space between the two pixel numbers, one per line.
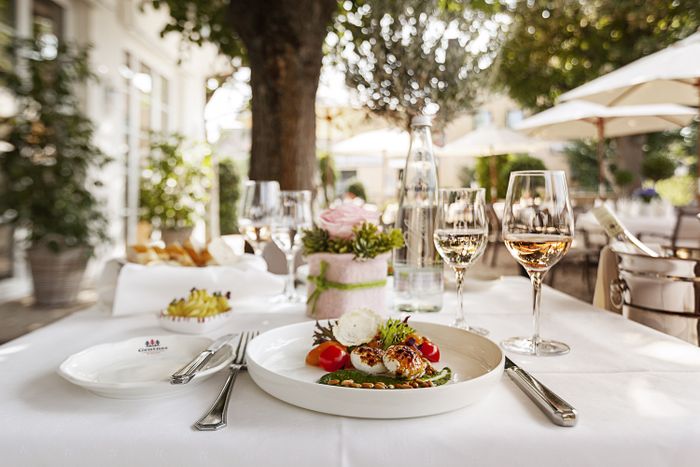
(636,391)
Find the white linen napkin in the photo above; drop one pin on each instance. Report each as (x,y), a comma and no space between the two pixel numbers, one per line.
(607,272)
(149,289)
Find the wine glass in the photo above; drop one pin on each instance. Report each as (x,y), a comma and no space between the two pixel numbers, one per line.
(538,227)
(293,215)
(460,236)
(258,207)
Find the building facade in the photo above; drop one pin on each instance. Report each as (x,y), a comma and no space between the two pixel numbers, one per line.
(145,83)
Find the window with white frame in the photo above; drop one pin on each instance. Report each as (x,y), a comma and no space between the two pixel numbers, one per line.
(47,20)
(7,29)
(482,118)
(146,97)
(513,117)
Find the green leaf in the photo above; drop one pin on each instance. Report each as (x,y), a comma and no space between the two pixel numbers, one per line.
(394,331)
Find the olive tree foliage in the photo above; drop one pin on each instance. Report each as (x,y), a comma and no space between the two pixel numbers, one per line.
(410,57)
(552,46)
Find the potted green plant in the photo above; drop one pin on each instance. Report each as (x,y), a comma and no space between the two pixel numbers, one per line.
(49,188)
(229,192)
(172,191)
(348,261)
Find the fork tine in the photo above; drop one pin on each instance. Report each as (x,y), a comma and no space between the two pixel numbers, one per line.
(240,356)
(251,335)
(238,347)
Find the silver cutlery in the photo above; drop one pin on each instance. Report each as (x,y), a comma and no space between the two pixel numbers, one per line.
(557,409)
(215,418)
(185,374)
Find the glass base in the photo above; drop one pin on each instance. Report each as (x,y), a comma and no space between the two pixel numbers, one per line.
(283,298)
(476,330)
(405,308)
(526,346)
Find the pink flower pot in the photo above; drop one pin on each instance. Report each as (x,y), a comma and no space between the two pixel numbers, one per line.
(332,302)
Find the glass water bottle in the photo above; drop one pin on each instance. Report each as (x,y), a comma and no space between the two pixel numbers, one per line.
(418,280)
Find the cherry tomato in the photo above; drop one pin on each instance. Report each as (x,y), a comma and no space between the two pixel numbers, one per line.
(333,357)
(430,351)
(312,356)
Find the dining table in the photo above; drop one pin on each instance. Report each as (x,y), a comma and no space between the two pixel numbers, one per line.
(636,391)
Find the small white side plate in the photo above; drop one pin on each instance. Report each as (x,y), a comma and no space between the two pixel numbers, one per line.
(140,367)
(276,364)
(185,325)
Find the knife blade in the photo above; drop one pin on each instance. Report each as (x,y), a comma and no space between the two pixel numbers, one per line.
(185,374)
(557,409)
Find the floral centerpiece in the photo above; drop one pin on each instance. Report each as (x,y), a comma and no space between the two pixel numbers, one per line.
(646,194)
(348,255)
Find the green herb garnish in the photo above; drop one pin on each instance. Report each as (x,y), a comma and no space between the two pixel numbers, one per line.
(438,379)
(394,331)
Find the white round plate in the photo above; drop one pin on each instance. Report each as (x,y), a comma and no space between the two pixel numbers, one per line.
(140,368)
(276,364)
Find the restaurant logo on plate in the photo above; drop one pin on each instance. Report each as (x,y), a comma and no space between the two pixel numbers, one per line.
(153,345)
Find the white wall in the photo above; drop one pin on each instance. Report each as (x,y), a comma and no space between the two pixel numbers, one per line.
(114,27)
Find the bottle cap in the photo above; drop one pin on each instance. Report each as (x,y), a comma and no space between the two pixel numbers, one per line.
(422,120)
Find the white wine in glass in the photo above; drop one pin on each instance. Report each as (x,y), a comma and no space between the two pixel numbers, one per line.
(538,228)
(460,236)
(258,207)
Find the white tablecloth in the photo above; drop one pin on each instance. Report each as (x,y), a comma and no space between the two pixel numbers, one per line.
(646,224)
(636,391)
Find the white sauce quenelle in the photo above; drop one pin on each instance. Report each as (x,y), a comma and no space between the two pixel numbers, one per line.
(368,359)
(357,327)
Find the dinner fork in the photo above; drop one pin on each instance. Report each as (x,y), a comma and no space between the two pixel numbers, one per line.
(215,418)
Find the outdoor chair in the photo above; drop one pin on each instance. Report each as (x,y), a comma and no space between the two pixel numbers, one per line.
(495,239)
(584,252)
(685,230)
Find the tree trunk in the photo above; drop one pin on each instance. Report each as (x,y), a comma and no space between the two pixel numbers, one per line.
(284,43)
(630,155)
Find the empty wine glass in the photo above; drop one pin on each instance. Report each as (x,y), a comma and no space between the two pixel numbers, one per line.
(460,236)
(293,215)
(258,207)
(538,227)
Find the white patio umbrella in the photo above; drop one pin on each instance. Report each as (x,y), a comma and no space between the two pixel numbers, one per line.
(390,142)
(581,119)
(384,144)
(670,75)
(491,141)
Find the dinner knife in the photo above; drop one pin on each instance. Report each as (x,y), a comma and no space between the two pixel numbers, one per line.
(557,409)
(185,374)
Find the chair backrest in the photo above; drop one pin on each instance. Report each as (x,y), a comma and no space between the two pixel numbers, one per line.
(495,226)
(686,232)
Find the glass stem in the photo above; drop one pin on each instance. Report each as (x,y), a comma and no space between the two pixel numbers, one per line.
(459,277)
(536,279)
(289,290)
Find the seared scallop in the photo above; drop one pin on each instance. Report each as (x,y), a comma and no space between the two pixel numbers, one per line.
(368,359)
(404,361)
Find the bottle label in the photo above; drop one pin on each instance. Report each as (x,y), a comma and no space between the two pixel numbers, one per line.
(614,228)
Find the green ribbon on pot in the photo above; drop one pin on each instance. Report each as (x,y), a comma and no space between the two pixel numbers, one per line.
(322,284)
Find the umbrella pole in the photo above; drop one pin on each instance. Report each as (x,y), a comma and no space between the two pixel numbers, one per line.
(494,179)
(600,125)
(697,164)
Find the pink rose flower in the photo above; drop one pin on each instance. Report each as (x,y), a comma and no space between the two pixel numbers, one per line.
(340,221)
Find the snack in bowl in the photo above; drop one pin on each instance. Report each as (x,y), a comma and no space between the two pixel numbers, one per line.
(361,350)
(199,312)
(216,253)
